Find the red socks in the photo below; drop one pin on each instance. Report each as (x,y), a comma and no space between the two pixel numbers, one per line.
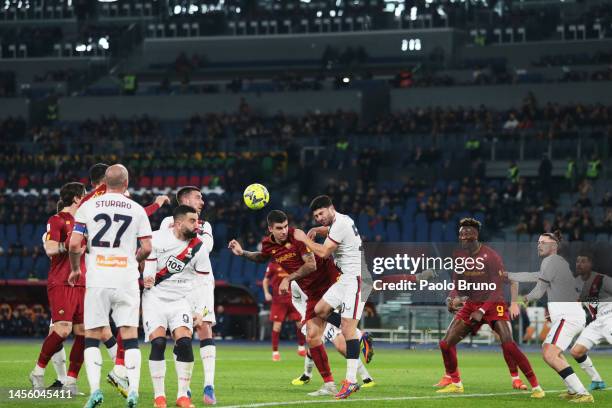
(319,356)
(275,340)
(51,345)
(517,355)
(449,355)
(510,362)
(76,356)
(300,337)
(120,359)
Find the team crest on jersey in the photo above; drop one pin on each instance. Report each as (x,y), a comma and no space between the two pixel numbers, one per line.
(205,312)
(273,251)
(288,245)
(61,311)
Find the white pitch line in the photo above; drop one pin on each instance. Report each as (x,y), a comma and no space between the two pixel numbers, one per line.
(424,397)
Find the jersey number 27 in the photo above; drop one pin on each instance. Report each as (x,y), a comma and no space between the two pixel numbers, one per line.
(125,221)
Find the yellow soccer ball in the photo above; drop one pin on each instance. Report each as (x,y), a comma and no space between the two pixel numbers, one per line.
(256,196)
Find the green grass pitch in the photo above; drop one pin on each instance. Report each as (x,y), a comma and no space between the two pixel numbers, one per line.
(247,376)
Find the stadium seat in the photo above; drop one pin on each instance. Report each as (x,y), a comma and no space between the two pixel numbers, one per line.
(450,232)
(393,232)
(41,267)
(11,234)
(421,228)
(26,234)
(13,265)
(436,232)
(407,230)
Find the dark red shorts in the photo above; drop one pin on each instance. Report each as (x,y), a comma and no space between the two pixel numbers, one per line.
(281,311)
(495,311)
(67,303)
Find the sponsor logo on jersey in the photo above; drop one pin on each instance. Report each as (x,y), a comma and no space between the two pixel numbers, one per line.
(112,261)
(175,265)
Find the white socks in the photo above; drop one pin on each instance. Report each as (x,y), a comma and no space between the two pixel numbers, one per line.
(132,365)
(93,366)
(574,385)
(587,366)
(363,372)
(183,374)
(158,375)
(112,352)
(59,363)
(308,366)
(208,354)
(351,369)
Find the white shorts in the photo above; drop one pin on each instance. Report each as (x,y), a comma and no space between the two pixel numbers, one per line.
(202,300)
(346,294)
(595,333)
(164,313)
(298,299)
(562,332)
(124,302)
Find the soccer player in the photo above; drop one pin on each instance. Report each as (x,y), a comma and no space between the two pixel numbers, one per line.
(331,333)
(117,377)
(475,307)
(314,275)
(202,295)
(597,293)
(177,255)
(114,225)
(343,241)
(281,308)
(556,280)
(65,301)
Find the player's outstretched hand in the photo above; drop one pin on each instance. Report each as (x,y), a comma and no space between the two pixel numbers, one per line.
(299,235)
(73,278)
(235,247)
(162,200)
(515,310)
(426,275)
(455,304)
(476,316)
(197,320)
(148,282)
(284,286)
(268,297)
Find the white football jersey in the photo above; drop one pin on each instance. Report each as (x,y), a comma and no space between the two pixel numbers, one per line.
(174,262)
(348,255)
(113,223)
(205,234)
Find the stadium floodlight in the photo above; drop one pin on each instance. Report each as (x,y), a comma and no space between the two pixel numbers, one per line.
(80,48)
(346,80)
(107,1)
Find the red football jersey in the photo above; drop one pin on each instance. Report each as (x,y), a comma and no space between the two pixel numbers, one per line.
(276,274)
(289,256)
(487,268)
(59,229)
(98,191)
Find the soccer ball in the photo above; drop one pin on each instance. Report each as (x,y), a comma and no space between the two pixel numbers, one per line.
(256,196)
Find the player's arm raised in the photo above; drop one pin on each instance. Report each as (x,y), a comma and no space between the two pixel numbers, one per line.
(321,231)
(236,248)
(321,250)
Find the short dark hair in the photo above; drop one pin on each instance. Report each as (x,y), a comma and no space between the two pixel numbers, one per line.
(585,253)
(470,222)
(321,201)
(182,210)
(97,172)
(276,216)
(555,236)
(68,192)
(183,191)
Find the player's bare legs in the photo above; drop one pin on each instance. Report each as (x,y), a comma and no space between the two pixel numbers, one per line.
(579,352)
(276,329)
(51,346)
(117,377)
(316,348)
(183,363)
(340,344)
(208,354)
(513,356)
(457,330)
(553,356)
